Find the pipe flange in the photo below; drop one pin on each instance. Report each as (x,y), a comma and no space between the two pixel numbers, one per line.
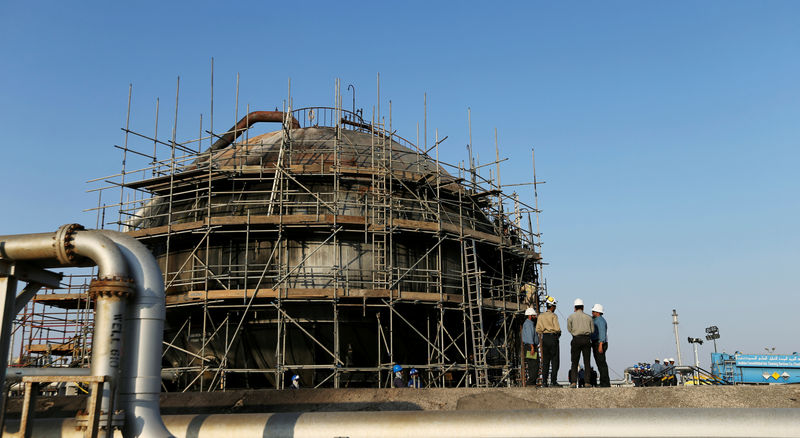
(111,287)
(65,248)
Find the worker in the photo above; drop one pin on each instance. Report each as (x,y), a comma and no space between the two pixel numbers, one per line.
(657,372)
(295,382)
(668,370)
(673,376)
(549,332)
(592,375)
(398,377)
(413,379)
(530,341)
(600,344)
(581,327)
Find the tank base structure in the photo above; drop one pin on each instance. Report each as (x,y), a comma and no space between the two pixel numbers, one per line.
(333,249)
(756,368)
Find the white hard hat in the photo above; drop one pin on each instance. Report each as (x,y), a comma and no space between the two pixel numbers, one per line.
(578,302)
(530,311)
(656,360)
(550,301)
(666,360)
(671,359)
(597,308)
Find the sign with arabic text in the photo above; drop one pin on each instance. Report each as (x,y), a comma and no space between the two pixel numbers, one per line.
(767,360)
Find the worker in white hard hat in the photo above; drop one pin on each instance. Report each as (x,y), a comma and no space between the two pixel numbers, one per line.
(673,379)
(549,331)
(600,344)
(530,341)
(580,325)
(665,372)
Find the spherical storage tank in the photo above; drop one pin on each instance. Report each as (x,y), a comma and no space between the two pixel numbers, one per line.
(332,249)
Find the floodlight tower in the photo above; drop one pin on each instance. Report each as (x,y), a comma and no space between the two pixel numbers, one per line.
(695,342)
(712,335)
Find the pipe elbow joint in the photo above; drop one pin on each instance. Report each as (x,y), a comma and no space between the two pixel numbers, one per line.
(111,264)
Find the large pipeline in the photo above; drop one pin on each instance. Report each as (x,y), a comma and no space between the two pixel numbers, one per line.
(247,121)
(123,264)
(70,245)
(462,424)
(140,384)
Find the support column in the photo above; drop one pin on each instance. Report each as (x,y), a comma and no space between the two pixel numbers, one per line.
(28,408)
(8,291)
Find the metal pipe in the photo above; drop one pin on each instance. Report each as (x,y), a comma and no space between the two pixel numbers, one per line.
(110,292)
(38,246)
(110,297)
(140,384)
(17,373)
(66,247)
(70,245)
(658,422)
(696,358)
(102,251)
(246,122)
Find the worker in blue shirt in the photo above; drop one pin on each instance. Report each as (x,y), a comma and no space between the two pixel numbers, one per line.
(413,379)
(530,341)
(600,344)
(657,372)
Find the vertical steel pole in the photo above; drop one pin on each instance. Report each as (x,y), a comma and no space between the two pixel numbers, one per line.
(677,337)
(8,289)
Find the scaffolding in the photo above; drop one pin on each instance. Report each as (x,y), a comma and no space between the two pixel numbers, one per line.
(54,329)
(331,248)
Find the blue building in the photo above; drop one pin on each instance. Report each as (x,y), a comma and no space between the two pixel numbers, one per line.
(756,368)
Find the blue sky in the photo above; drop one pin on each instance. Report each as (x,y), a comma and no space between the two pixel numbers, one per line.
(667,132)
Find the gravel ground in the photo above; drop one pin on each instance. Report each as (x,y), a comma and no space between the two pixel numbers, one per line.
(328,400)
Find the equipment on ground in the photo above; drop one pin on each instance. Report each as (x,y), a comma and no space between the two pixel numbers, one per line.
(756,368)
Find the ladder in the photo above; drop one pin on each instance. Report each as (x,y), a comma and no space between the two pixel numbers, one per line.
(474,302)
(380,211)
(730,367)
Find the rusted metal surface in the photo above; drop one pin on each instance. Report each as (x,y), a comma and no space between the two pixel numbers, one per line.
(66,235)
(114,287)
(355,295)
(248,121)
